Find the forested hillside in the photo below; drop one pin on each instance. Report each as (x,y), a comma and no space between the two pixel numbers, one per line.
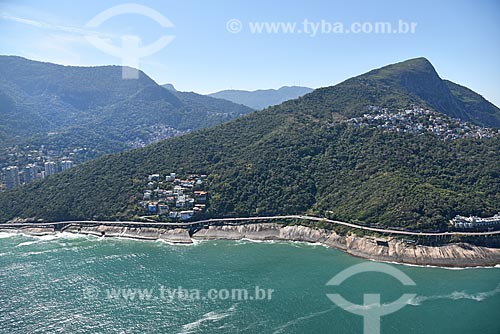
(303,156)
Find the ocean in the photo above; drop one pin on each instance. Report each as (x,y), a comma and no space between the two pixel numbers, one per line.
(83,284)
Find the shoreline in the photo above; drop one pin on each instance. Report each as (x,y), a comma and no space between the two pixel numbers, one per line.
(454,255)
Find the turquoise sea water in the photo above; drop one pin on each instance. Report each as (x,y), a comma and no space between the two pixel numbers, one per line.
(70,284)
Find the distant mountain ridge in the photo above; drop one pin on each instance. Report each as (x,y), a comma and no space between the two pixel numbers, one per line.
(262,98)
(94,106)
(219,106)
(316,154)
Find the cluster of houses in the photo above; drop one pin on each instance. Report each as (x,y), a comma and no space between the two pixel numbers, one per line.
(169,196)
(476,222)
(418,120)
(156,133)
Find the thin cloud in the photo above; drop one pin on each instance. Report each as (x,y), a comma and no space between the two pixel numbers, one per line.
(58,43)
(33,23)
(49,26)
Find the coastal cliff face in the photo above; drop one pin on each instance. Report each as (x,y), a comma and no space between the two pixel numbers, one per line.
(389,249)
(177,235)
(451,255)
(272,232)
(392,250)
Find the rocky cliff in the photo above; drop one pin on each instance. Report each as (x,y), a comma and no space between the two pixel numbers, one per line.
(387,249)
(392,250)
(177,235)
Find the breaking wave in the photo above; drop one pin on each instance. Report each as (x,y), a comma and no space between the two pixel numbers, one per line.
(456,295)
(212,316)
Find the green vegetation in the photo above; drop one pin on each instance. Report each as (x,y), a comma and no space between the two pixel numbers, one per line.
(289,159)
(94,107)
(474,104)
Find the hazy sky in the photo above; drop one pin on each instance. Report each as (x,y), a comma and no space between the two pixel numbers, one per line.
(461,39)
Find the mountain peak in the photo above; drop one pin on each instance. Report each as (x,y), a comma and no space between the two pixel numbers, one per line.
(404,71)
(399,85)
(170,87)
(417,79)
(419,62)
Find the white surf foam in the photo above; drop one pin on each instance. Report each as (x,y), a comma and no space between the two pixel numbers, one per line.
(439,267)
(212,316)
(170,243)
(456,295)
(27,243)
(4,235)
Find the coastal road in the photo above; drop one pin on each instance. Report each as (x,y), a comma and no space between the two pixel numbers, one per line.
(373,229)
(249,219)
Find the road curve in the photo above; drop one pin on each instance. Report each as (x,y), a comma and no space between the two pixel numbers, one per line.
(268,218)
